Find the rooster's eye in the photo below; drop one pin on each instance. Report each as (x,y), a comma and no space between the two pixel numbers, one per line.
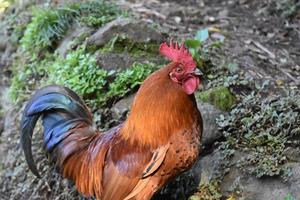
(178,69)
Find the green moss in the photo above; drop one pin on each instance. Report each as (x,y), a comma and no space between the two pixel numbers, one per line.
(221,97)
(121,44)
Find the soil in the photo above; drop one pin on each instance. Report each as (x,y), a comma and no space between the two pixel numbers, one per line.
(259,38)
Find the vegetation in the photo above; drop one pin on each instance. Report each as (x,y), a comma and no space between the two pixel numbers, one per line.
(287,8)
(264,128)
(98,12)
(48,25)
(129,79)
(221,97)
(210,191)
(121,43)
(27,72)
(80,72)
(79,69)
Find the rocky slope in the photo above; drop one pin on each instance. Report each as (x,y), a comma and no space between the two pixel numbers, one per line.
(260,44)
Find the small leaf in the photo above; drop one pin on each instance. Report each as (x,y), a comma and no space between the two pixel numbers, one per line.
(202,35)
(190,43)
(232,67)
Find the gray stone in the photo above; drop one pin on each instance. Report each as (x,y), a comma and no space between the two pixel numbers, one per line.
(122,107)
(210,128)
(3,42)
(72,34)
(292,153)
(121,61)
(253,188)
(135,30)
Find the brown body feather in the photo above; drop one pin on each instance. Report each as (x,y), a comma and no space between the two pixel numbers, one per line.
(159,140)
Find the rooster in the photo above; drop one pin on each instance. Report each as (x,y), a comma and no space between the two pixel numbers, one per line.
(159,140)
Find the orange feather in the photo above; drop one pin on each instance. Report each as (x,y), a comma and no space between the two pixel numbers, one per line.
(160,109)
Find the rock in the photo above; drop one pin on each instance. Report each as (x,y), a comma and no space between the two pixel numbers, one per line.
(210,128)
(252,188)
(122,107)
(3,42)
(135,30)
(208,167)
(1,125)
(121,61)
(292,153)
(76,32)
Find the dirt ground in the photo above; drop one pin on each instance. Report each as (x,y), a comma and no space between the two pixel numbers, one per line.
(260,37)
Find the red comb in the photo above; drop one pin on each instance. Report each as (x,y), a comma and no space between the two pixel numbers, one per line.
(177,54)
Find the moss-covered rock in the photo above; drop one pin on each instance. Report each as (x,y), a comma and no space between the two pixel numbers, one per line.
(220,97)
(134,30)
(123,43)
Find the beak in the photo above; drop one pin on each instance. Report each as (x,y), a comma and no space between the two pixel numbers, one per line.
(198,72)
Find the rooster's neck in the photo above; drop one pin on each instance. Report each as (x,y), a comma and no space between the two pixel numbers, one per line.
(160,109)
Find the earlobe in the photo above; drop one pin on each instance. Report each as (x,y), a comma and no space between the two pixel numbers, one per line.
(173,77)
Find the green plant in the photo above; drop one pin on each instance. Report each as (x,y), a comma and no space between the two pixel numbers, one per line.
(26,76)
(46,27)
(200,48)
(80,72)
(289,197)
(287,8)
(129,79)
(263,128)
(97,12)
(209,191)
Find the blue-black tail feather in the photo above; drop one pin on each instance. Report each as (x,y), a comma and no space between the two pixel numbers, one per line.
(61,109)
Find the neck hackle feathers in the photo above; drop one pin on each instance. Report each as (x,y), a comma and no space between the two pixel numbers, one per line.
(178,54)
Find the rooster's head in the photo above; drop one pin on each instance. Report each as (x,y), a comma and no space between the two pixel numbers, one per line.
(183,68)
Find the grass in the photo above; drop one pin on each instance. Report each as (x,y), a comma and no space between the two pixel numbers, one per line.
(48,25)
(46,28)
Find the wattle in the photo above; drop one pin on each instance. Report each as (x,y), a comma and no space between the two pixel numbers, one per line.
(191,84)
